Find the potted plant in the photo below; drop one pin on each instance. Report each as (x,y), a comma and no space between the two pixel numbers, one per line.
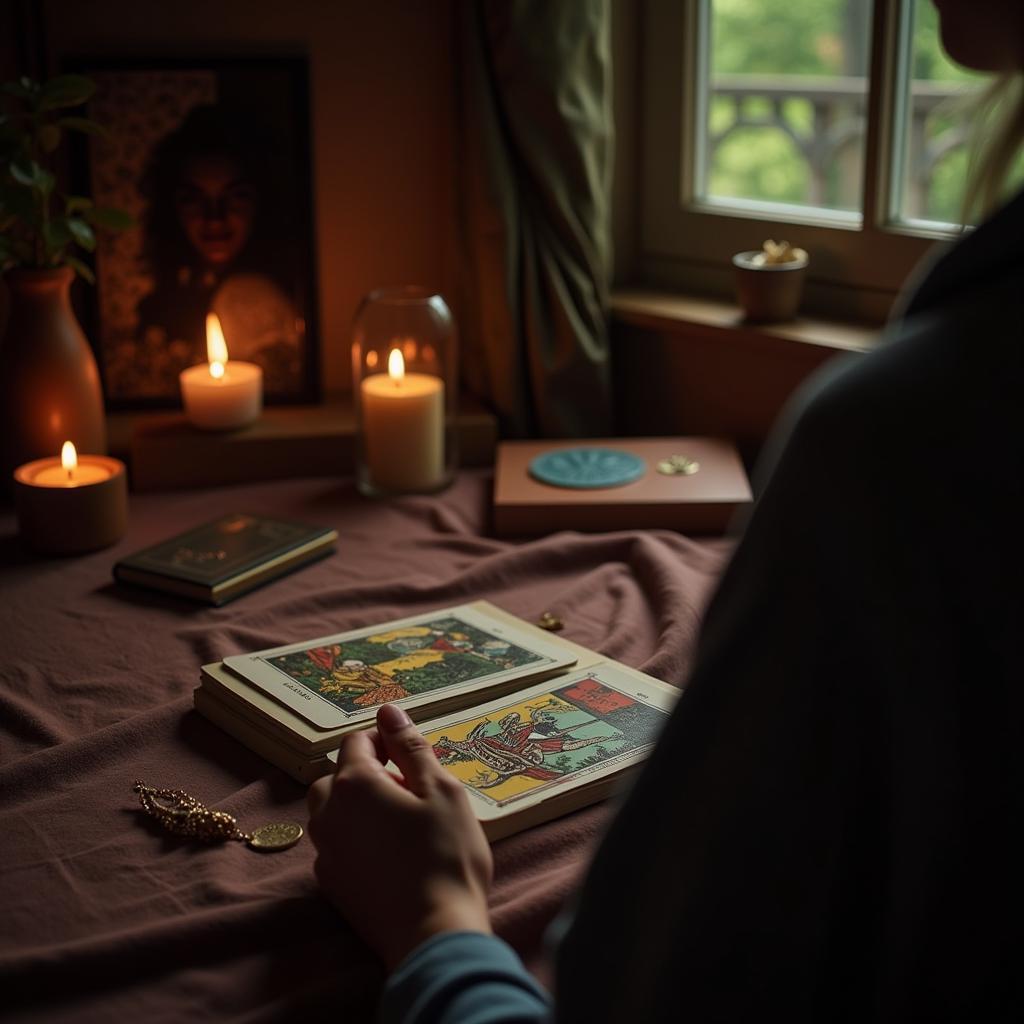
(770,281)
(49,382)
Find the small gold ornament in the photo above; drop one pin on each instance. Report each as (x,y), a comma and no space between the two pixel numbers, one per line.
(183,815)
(550,622)
(678,465)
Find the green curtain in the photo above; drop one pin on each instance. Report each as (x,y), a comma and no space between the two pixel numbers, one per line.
(536,154)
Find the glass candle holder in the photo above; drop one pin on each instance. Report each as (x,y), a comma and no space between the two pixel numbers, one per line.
(405,388)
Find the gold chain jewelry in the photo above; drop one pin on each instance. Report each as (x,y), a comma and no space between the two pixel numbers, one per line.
(182,814)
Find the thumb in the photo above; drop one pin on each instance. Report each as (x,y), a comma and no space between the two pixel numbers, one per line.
(405,745)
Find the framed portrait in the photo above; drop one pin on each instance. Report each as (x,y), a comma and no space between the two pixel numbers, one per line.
(212,159)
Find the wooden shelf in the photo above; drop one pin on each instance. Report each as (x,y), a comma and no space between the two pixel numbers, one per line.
(165,452)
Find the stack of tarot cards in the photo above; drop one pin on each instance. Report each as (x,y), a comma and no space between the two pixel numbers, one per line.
(533,725)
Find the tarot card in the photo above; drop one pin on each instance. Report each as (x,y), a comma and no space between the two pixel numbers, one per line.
(342,679)
(552,737)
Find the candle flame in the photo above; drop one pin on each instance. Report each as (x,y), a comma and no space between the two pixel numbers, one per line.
(396,366)
(216,346)
(69,458)
(216,370)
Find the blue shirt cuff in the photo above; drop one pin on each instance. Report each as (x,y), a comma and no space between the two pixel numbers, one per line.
(463,978)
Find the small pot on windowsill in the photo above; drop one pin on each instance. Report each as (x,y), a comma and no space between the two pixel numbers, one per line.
(769,289)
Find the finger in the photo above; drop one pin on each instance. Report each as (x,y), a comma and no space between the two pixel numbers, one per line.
(406,746)
(373,733)
(360,748)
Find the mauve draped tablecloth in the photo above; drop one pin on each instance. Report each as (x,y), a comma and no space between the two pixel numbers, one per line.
(105,918)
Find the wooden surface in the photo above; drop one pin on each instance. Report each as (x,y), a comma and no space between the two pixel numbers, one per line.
(702,503)
(165,452)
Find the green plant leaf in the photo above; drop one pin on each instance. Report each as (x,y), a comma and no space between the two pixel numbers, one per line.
(25,171)
(82,233)
(28,172)
(56,235)
(84,124)
(73,204)
(65,91)
(81,269)
(108,217)
(49,137)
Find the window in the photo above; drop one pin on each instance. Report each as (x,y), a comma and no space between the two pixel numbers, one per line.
(837,124)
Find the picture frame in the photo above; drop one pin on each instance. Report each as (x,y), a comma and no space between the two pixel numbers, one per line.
(211,156)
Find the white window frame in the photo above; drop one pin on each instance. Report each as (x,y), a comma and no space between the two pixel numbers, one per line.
(856,269)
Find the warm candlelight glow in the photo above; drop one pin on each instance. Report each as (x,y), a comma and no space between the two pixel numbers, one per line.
(216,346)
(71,503)
(396,366)
(69,458)
(222,393)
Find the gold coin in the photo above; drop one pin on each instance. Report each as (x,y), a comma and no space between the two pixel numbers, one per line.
(279,836)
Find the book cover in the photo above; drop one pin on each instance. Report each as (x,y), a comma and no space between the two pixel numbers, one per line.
(225,558)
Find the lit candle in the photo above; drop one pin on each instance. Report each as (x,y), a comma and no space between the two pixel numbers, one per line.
(71,504)
(221,394)
(403,428)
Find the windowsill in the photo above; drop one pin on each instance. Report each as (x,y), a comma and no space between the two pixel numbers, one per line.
(667,311)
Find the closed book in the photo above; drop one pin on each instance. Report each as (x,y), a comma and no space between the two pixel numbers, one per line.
(221,560)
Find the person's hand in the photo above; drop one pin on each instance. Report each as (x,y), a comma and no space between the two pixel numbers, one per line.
(401,862)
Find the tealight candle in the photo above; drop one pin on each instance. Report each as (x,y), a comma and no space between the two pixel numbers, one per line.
(403,428)
(221,394)
(71,504)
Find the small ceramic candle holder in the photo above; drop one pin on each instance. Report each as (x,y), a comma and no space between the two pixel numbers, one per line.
(61,513)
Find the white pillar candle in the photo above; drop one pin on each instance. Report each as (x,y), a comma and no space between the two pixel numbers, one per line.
(221,394)
(403,428)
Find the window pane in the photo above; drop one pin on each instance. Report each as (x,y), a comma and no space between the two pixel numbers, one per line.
(933,124)
(783,117)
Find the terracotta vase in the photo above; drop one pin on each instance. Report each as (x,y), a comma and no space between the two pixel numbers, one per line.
(49,382)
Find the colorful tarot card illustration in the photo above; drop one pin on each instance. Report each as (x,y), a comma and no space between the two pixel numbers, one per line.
(550,737)
(337,679)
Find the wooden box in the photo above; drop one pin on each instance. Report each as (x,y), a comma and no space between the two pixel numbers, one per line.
(704,502)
